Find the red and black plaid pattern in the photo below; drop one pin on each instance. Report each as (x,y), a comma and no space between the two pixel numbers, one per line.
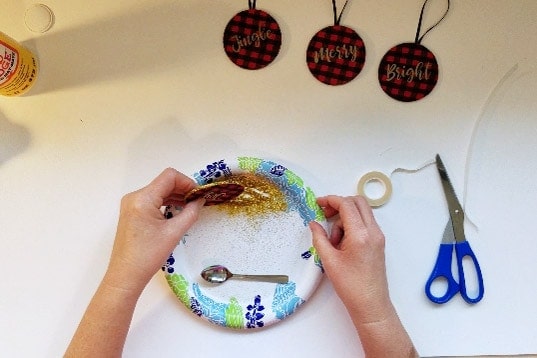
(336,55)
(408,72)
(215,193)
(252,39)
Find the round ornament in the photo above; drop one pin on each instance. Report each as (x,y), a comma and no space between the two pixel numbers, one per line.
(252,39)
(408,72)
(215,193)
(336,55)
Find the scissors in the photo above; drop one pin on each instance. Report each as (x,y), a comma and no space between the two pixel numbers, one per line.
(453,237)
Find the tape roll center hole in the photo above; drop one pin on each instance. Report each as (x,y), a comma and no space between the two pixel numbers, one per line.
(374,189)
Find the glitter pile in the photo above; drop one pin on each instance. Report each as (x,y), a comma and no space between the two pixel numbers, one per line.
(260,196)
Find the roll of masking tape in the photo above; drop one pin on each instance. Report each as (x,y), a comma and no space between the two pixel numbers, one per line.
(380,178)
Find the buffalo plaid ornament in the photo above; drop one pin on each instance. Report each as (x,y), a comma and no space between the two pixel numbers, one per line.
(409,71)
(336,54)
(252,38)
(215,193)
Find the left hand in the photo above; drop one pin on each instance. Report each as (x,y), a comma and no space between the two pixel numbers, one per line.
(144,238)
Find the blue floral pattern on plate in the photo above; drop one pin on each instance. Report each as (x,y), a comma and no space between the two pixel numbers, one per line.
(254,316)
(213,172)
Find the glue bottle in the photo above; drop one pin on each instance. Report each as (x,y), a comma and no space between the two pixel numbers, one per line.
(18,67)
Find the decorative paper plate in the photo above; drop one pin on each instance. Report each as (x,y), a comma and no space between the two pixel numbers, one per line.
(249,238)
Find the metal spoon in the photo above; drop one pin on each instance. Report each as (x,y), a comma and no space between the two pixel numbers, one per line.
(220,274)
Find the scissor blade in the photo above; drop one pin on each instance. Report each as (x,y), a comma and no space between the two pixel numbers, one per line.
(449,236)
(455,209)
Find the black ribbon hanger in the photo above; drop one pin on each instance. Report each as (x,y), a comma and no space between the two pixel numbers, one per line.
(418,38)
(337,18)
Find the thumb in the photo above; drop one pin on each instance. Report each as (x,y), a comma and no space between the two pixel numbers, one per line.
(180,223)
(320,240)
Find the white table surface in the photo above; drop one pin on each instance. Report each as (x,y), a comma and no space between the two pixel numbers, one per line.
(128,88)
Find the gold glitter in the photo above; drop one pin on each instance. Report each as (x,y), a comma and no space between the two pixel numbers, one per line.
(260,196)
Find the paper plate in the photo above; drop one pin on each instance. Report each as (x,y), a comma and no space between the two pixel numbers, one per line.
(277,242)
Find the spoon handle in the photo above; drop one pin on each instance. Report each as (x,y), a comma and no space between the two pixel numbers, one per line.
(262,278)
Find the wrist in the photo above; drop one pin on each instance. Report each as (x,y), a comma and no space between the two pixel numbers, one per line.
(382,334)
(121,281)
(370,311)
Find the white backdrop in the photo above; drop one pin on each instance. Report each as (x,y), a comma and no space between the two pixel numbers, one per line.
(128,88)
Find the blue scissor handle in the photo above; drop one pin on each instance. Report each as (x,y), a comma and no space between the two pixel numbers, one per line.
(463,249)
(442,269)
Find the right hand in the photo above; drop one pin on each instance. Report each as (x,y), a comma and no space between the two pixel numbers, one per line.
(353,257)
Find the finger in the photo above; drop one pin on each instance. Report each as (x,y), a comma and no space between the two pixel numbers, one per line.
(328,210)
(348,210)
(366,212)
(175,196)
(336,233)
(168,182)
(320,240)
(173,202)
(184,219)
(175,199)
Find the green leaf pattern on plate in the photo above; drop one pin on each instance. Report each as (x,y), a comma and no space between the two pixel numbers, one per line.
(293,179)
(316,257)
(234,315)
(311,201)
(249,164)
(179,286)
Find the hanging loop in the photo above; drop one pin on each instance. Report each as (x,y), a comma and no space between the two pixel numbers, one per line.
(251,4)
(418,38)
(337,18)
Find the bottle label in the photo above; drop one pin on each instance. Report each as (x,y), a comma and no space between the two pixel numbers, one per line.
(18,68)
(9,59)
